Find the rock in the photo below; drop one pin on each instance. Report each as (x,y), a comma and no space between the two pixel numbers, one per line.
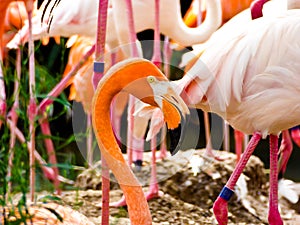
(188,195)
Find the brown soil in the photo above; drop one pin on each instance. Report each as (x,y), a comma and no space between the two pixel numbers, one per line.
(188,197)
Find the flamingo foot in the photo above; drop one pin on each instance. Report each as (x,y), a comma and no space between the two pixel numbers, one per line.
(162,154)
(153,194)
(120,203)
(220,210)
(209,153)
(274,217)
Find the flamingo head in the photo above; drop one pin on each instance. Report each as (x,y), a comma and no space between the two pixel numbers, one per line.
(173,108)
(147,83)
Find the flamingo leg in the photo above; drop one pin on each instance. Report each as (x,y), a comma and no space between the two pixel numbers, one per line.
(156,58)
(44,121)
(239,137)
(137,152)
(32,107)
(285,151)
(45,128)
(48,172)
(14,118)
(131,101)
(130,137)
(226,144)
(98,74)
(57,90)
(295,132)
(208,149)
(51,174)
(2,97)
(220,205)
(246,140)
(274,216)
(163,145)
(153,191)
(167,58)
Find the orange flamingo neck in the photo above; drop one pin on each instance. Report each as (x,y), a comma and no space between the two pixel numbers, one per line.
(130,78)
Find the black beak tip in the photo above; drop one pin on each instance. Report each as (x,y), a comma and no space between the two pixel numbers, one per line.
(175,139)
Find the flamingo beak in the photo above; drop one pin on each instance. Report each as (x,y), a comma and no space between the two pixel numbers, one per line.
(174,109)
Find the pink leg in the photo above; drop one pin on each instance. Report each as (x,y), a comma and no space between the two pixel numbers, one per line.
(137,152)
(130,128)
(98,73)
(14,117)
(274,216)
(238,136)
(163,145)
(226,144)
(48,172)
(45,128)
(220,205)
(167,58)
(156,58)
(208,150)
(32,108)
(295,132)
(134,53)
(57,90)
(154,188)
(285,151)
(2,96)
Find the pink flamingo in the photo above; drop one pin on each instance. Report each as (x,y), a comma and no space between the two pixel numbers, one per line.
(85,16)
(214,84)
(31,111)
(253,92)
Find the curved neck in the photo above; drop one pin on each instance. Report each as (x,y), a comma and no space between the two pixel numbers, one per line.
(187,36)
(112,83)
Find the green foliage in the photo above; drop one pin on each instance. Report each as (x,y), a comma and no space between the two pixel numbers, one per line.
(49,66)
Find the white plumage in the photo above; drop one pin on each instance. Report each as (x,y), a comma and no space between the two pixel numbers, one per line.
(250,77)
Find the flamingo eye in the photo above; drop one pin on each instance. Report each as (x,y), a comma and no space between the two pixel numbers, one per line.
(151,79)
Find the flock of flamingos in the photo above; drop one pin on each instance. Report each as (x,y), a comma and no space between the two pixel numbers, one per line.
(245,69)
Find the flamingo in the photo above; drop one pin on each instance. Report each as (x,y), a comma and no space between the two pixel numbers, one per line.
(270,8)
(85,16)
(16,15)
(31,111)
(246,96)
(232,93)
(192,17)
(142,79)
(42,213)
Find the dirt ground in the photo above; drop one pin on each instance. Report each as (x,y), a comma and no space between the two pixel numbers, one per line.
(190,183)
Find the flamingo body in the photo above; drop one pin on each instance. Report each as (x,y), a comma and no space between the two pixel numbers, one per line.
(82,20)
(252,86)
(42,214)
(265,77)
